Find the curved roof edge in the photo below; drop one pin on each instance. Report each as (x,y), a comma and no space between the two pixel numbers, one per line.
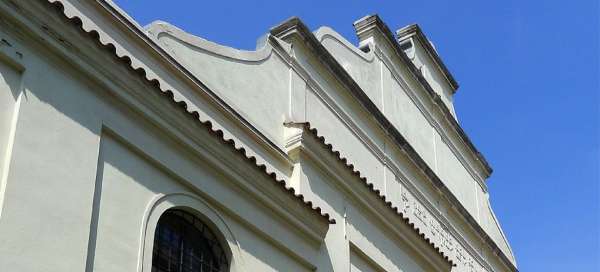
(92,33)
(325,32)
(375,21)
(159,28)
(295,26)
(293,23)
(306,126)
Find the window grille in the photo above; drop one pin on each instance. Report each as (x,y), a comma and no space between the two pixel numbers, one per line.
(182,243)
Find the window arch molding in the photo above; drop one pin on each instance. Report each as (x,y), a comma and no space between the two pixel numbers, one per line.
(199,208)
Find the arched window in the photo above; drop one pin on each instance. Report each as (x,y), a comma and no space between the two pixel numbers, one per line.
(183,243)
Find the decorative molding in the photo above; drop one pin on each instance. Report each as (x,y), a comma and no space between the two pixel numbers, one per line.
(413,206)
(104,41)
(325,32)
(396,75)
(167,64)
(159,28)
(148,103)
(374,50)
(294,26)
(367,25)
(164,202)
(319,91)
(305,140)
(414,30)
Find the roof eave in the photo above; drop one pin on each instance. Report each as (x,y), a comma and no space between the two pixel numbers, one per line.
(294,25)
(371,21)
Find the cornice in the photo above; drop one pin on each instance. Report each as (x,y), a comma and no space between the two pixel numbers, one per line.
(159,28)
(298,142)
(126,60)
(294,26)
(309,142)
(325,32)
(433,120)
(135,32)
(418,98)
(414,30)
(374,23)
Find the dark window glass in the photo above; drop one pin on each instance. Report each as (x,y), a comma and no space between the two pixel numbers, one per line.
(182,243)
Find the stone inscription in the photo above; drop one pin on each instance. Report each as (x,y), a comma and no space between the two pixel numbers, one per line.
(437,233)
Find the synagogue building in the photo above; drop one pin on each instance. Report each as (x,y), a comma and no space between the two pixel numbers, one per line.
(145,148)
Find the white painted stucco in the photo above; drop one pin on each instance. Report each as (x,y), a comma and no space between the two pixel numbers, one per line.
(92,150)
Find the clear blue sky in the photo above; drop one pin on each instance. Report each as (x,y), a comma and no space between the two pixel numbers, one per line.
(529,96)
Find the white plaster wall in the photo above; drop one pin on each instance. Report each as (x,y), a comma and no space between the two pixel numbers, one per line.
(334,253)
(408,119)
(357,229)
(404,169)
(456,177)
(47,201)
(344,140)
(75,197)
(434,77)
(10,80)
(390,254)
(361,263)
(129,182)
(361,66)
(79,173)
(376,78)
(492,225)
(10,90)
(256,86)
(246,78)
(323,102)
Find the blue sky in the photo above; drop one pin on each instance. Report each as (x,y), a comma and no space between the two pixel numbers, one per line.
(528,98)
